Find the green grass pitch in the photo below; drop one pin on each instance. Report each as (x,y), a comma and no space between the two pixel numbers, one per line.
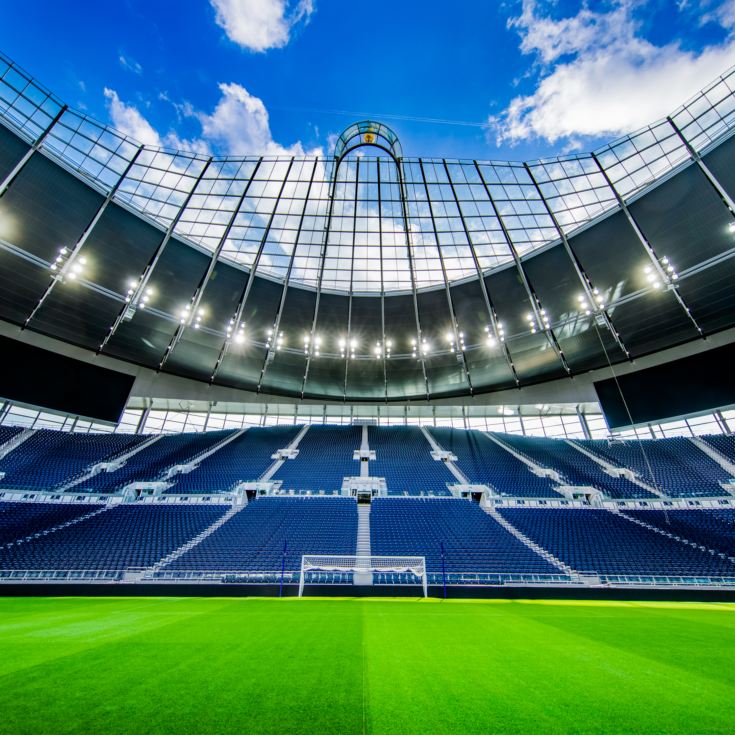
(184,665)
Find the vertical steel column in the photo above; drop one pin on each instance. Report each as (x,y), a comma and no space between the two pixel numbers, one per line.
(583,423)
(320,277)
(533,299)
(382,284)
(348,348)
(80,243)
(142,420)
(153,262)
(646,245)
(577,265)
(409,245)
(704,168)
(8,180)
(287,278)
(450,305)
(196,298)
(492,315)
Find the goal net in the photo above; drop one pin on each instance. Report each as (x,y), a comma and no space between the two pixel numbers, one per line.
(363,567)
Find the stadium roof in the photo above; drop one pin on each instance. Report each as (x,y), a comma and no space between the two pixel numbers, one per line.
(365,277)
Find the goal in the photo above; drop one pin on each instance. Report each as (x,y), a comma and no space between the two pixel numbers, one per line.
(363,566)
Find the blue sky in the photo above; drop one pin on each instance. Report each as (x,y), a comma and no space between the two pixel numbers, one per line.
(514,79)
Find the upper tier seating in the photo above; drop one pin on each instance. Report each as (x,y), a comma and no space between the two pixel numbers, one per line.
(473,541)
(253,539)
(483,462)
(575,467)
(8,432)
(51,458)
(724,444)
(244,459)
(152,461)
(325,458)
(21,519)
(709,527)
(679,467)
(119,538)
(598,541)
(403,458)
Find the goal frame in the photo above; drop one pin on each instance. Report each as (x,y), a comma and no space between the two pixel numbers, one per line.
(364,564)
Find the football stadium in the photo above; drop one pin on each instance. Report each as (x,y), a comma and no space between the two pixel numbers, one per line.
(349,439)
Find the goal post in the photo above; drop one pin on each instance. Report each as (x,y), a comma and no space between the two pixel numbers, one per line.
(415,565)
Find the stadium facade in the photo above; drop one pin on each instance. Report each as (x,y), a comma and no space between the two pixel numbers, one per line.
(372,288)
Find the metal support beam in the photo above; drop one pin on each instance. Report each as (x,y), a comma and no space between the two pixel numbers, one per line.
(8,180)
(81,242)
(409,245)
(584,279)
(284,292)
(704,168)
(320,277)
(583,423)
(458,342)
(135,298)
(348,346)
(533,299)
(647,245)
(382,286)
(196,298)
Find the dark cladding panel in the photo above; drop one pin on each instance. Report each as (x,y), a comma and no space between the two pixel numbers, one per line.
(285,374)
(365,375)
(533,355)
(487,365)
(721,162)
(12,149)
(614,259)
(242,365)
(327,374)
(76,314)
(22,283)
(405,375)
(145,337)
(47,379)
(684,219)
(710,294)
(119,248)
(197,351)
(558,288)
(444,371)
(46,208)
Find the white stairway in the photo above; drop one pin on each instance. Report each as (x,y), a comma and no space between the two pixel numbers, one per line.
(363,543)
(176,553)
(508,526)
(15,441)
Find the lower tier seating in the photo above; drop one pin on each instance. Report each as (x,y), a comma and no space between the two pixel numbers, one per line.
(473,541)
(712,528)
(253,539)
(598,541)
(20,519)
(119,538)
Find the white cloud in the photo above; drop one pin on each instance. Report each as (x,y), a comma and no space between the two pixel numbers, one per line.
(600,77)
(130,64)
(128,120)
(238,126)
(259,25)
